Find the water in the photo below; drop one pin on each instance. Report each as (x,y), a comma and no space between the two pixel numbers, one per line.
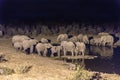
(108,60)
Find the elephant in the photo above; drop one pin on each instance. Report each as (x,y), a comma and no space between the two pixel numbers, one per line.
(80,37)
(19,38)
(107,40)
(80,48)
(43,40)
(85,39)
(18,45)
(103,33)
(95,41)
(62,37)
(29,44)
(1,33)
(56,49)
(68,46)
(43,48)
(73,39)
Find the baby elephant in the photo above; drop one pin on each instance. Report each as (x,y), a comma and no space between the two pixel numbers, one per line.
(43,48)
(56,49)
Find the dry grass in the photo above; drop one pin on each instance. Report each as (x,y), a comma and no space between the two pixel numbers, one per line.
(43,68)
(22,69)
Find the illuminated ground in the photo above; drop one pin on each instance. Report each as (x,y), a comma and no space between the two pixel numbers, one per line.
(43,68)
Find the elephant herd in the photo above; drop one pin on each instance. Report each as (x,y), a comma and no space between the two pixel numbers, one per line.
(44,46)
(75,45)
(103,39)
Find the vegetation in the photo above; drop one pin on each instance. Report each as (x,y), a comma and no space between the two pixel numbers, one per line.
(22,69)
(81,74)
(6,71)
(43,67)
(51,29)
(18,69)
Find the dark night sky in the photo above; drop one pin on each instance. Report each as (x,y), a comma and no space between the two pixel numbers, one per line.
(59,10)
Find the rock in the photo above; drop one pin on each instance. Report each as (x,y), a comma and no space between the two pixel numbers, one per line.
(72,67)
(1,71)
(2,58)
(96,76)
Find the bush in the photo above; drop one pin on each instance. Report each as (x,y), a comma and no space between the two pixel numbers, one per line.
(6,71)
(81,74)
(22,69)
(45,30)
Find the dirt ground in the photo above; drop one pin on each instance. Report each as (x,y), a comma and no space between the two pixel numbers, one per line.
(42,68)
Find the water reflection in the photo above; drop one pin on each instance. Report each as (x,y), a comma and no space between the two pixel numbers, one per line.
(102,52)
(107,62)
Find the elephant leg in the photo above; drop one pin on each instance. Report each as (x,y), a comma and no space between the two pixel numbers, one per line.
(58,53)
(31,49)
(103,43)
(76,53)
(52,54)
(45,53)
(64,52)
(72,53)
(23,49)
(39,53)
(83,53)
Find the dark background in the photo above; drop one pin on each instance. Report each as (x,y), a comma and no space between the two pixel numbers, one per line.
(59,10)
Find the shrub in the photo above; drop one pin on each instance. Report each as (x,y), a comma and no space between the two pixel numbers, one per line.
(6,71)
(22,69)
(81,74)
